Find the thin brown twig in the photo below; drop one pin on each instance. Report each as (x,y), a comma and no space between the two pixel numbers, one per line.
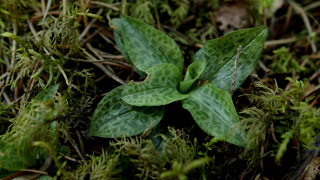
(109,41)
(110,6)
(14,43)
(312,6)
(47,10)
(47,52)
(116,57)
(84,7)
(280,41)
(288,18)
(64,7)
(315,75)
(74,145)
(306,21)
(80,142)
(103,68)
(72,159)
(35,171)
(86,30)
(91,36)
(43,6)
(63,74)
(127,66)
(157,18)
(38,16)
(18,174)
(6,98)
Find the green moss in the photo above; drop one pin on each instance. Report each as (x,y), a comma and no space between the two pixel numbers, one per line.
(285,62)
(152,162)
(104,166)
(61,34)
(277,117)
(35,122)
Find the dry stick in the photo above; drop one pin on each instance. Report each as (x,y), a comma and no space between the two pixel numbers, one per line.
(263,66)
(47,52)
(64,7)
(312,91)
(33,31)
(14,43)
(105,61)
(105,5)
(91,36)
(86,30)
(103,68)
(73,144)
(72,159)
(47,10)
(109,41)
(235,69)
(6,98)
(63,73)
(18,174)
(157,18)
(122,65)
(280,41)
(306,157)
(80,142)
(288,18)
(39,16)
(306,21)
(315,75)
(3,86)
(4,75)
(84,6)
(116,57)
(39,172)
(43,7)
(312,6)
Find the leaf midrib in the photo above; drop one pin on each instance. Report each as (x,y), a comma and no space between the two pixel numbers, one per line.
(234,56)
(152,89)
(224,121)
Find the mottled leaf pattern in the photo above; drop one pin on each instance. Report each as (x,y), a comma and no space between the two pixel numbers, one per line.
(144,45)
(119,40)
(16,150)
(47,93)
(194,71)
(160,87)
(9,159)
(125,112)
(114,118)
(214,112)
(220,55)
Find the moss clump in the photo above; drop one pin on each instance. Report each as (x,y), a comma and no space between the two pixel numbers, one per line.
(278,117)
(104,166)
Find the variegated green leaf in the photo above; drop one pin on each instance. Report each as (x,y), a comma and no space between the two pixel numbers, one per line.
(221,54)
(144,45)
(159,88)
(47,93)
(114,118)
(194,71)
(214,112)
(16,150)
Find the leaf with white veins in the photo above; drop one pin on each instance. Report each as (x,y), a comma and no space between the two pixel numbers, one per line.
(214,112)
(221,54)
(159,88)
(145,46)
(114,118)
